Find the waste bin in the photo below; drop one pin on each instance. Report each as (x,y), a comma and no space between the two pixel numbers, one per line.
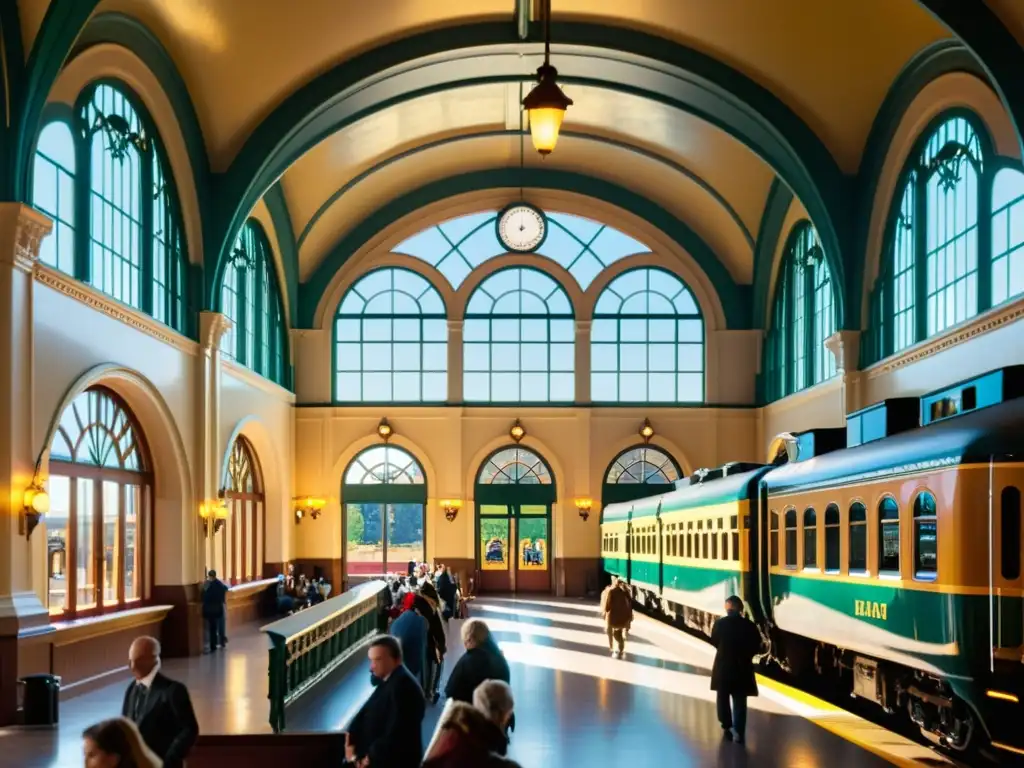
(41,705)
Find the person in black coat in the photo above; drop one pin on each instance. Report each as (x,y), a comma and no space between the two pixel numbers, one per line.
(483,660)
(448,592)
(425,602)
(387,732)
(215,593)
(736,641)
(159,706)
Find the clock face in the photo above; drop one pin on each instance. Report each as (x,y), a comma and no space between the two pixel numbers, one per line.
(522,228)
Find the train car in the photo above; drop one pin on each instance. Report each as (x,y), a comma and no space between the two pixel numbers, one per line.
(614,539)
(894,568)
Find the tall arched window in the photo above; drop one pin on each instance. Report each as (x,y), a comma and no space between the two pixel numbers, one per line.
(53,193)
(242,542)
(390,340)
(132,245)
(931,276)
(99,528)
(858,538)
(926,523)
(647,341)
(810,538)
(643,470)
(888,536)
(518,340)
(1007,235)
(803,317)
(251,299)
(384,493)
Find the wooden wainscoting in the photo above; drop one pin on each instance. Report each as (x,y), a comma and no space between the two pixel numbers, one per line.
(248,602)
(576,576)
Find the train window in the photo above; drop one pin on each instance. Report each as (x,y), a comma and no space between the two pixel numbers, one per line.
(725,545)
(704,545)
(714,547)
(926,554)
(810,538)
(791,538)
(689,544)
(773,539)
(858,537)
(734,522)
(680,544)
(888,536)
(1009,533)
(832,537)
(735,546)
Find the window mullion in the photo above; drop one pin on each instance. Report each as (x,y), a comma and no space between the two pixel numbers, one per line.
(242,277)
(810,326)
(259,310)
(986,179)
(147,275)
(83,201)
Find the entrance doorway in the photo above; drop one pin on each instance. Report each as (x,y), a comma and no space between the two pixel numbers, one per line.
(514,493)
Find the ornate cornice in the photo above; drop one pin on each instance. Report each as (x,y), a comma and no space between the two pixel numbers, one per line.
(977,326)
(27,228)
(212,327)
(111,307)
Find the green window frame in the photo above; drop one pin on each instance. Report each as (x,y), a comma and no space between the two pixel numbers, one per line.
(53,193)
(803,318)
(391,340)
(647,341)
(251,299)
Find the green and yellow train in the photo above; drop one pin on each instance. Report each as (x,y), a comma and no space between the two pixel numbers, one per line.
(891,567)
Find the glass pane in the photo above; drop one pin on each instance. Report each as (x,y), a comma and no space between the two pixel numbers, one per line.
(405,535)
(494,509)
(250,539)
(533,544)
(859,547)
(85,596)
(57,542)
(365,536)
(111,541)
(494,544)
(133,545)
(533,509)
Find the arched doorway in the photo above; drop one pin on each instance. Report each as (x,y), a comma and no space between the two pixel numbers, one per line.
(99,529)
(514,493)
(384,493)
(637,472)
(241,544)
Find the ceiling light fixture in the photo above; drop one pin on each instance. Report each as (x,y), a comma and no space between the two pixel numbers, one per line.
(546,104)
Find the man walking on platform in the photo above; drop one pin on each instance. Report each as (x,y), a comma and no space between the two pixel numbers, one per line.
(617,610)
(737,641)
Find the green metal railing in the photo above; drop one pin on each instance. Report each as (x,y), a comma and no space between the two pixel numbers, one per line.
(309,645)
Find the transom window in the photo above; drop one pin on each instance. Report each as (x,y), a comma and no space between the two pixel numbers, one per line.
(458,246)
(390,338)
(99,528)
(251,300)
(241,544)
(803,317)
(384,465)
(132,245)
(645,465)
(647,341)
(515,466)
(518,340)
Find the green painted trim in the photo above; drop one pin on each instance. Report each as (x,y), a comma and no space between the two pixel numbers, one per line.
(277,205)
(602,56)
(934,61)
(642,152)
(734,297)
(63,21)
(776,206)
(131,34)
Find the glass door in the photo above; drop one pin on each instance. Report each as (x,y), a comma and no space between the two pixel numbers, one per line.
(495,533)
(533,531)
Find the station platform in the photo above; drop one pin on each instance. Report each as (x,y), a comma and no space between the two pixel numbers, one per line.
(575,705)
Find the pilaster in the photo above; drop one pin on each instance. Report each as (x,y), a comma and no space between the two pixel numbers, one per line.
(845,348)
(582,376)
(455,361)
(212,327)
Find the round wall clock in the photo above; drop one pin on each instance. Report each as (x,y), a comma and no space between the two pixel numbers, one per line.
(522,227)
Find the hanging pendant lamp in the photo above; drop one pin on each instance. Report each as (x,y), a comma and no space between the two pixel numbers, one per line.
(546,104)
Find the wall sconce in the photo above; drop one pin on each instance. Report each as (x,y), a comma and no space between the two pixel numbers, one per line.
(647,431)
(583,505)
(37,504)
(308,505)
(215,512)
(451,508)
(384,430)
(518,431)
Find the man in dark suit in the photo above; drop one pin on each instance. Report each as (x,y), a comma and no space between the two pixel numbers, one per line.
(159,706)
(215,593)
(387,731)
(737,641)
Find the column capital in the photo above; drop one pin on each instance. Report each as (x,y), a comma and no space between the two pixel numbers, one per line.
(845,347)
(212,327)
(24,228)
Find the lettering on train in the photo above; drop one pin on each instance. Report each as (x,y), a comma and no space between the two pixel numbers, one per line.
(869,609)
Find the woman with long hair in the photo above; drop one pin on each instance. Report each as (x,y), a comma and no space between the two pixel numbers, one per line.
(116,743)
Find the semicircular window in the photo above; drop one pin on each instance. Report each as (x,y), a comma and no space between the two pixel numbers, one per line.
(514,466)
(645,465)
(384,465)
(458,246)
(647,341)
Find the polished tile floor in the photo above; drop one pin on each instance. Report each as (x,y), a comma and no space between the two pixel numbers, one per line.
(574,704)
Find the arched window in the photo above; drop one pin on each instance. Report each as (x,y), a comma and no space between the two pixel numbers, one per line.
(390,337)
(832,538)
(791,538)
(803,317)
(810,538)
(643,464)
(931,275)
(647,341)
(131,246)
(384,493)
(458,246)
(53,193)
(242,542)
(1007,235)
(514,466)
(888,536)
(251,299)
(858,538)
(518,340)
(926,553)
(101,496)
